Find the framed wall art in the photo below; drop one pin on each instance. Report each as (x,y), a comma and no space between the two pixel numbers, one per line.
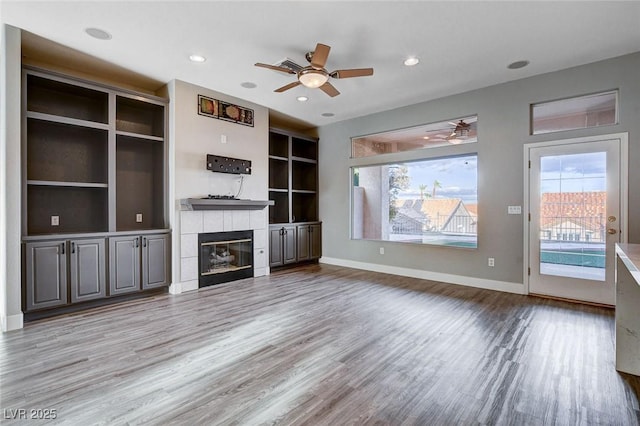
(221,110)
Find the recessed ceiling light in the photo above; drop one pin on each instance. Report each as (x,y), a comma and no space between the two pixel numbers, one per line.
(518,64)
(197,58)
(98,33)
(302,98)
(328,114)
(249,85)
(426,138)
(411,61)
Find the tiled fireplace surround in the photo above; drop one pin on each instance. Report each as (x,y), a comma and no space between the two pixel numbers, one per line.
(193,222)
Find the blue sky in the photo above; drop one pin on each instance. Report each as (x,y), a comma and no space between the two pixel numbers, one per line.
(457,176)
(573,173)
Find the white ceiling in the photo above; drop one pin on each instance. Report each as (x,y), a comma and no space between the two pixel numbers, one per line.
(461,45)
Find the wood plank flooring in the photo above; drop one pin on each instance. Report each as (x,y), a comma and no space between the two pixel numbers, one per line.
(322,345)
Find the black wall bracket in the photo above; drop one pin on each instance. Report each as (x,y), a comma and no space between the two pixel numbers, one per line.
(235,166)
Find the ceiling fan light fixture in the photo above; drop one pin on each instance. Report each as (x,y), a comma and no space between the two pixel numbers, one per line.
(313,78)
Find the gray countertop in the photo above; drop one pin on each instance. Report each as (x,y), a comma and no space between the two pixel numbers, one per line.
(630,256)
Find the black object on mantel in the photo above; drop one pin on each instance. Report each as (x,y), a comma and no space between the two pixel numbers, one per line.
(235,166)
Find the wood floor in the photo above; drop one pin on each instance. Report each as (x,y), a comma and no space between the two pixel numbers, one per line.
(322,345)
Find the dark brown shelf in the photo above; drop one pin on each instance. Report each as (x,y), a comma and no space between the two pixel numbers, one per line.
(54,97)
(62,152)
(140,117)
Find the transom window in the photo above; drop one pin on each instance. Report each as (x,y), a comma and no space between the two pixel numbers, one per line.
(581,112)
(444,133)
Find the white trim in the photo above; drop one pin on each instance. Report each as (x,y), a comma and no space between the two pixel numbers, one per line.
(12,322)
(504,286)
(624,187)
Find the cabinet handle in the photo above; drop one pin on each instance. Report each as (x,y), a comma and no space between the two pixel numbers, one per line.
(137,243)
(73,247)
(63,244)
(144,241)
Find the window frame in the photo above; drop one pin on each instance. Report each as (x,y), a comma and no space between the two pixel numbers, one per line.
(433,153)
(615,92)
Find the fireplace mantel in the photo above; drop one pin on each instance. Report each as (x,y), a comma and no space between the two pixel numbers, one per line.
(225,204)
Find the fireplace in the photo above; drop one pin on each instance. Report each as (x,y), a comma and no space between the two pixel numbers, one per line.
(225,256)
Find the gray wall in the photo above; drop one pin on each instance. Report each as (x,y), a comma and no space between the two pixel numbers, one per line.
(503,128)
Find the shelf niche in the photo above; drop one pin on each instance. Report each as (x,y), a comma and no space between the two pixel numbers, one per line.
(143,118)
(139,183)
(53,97)
(50,145)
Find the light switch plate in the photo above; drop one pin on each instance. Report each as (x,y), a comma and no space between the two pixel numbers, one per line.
(55,220)
(139,217)
(514,210)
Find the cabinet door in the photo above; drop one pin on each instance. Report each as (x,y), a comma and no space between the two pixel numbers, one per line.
(315,241)
(87,269)
(124,265)
(275,246)
(155,262)
(289,245)
(46,274)
(303,232)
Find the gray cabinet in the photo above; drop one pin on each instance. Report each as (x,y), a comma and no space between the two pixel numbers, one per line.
(309,241)
(59,270)
(87,270)
(124,265)
(282,240)
(155,267)
(138,263)
(95,168)
(46,274)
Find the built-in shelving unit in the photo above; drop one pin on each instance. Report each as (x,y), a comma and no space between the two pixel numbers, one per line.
(293,188)
(95,168)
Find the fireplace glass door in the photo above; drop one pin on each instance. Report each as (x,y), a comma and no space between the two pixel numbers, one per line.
(225,257)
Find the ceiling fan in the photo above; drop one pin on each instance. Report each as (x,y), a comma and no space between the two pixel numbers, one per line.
(315,75)
(460,130)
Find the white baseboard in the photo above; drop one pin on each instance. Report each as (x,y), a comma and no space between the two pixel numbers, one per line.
(504,286)
(178,288)
(12,322)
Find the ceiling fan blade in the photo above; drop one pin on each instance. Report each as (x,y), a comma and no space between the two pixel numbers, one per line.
(288,86)
(320,55)
(329,89)
(355,72)
(275,68)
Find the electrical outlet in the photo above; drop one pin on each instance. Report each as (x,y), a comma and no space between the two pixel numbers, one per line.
(55,220)
(491,262)
(381,250)
(139,217)
(223,138)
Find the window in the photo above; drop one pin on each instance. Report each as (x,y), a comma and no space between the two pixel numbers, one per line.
(431,201)
(575,113)
(444,133)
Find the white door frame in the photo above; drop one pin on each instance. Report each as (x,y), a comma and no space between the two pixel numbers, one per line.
(624,194)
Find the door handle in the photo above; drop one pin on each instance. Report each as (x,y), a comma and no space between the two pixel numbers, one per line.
(611,231)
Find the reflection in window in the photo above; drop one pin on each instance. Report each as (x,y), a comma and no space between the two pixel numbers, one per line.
(574,113)
(428,202)
(444,133)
